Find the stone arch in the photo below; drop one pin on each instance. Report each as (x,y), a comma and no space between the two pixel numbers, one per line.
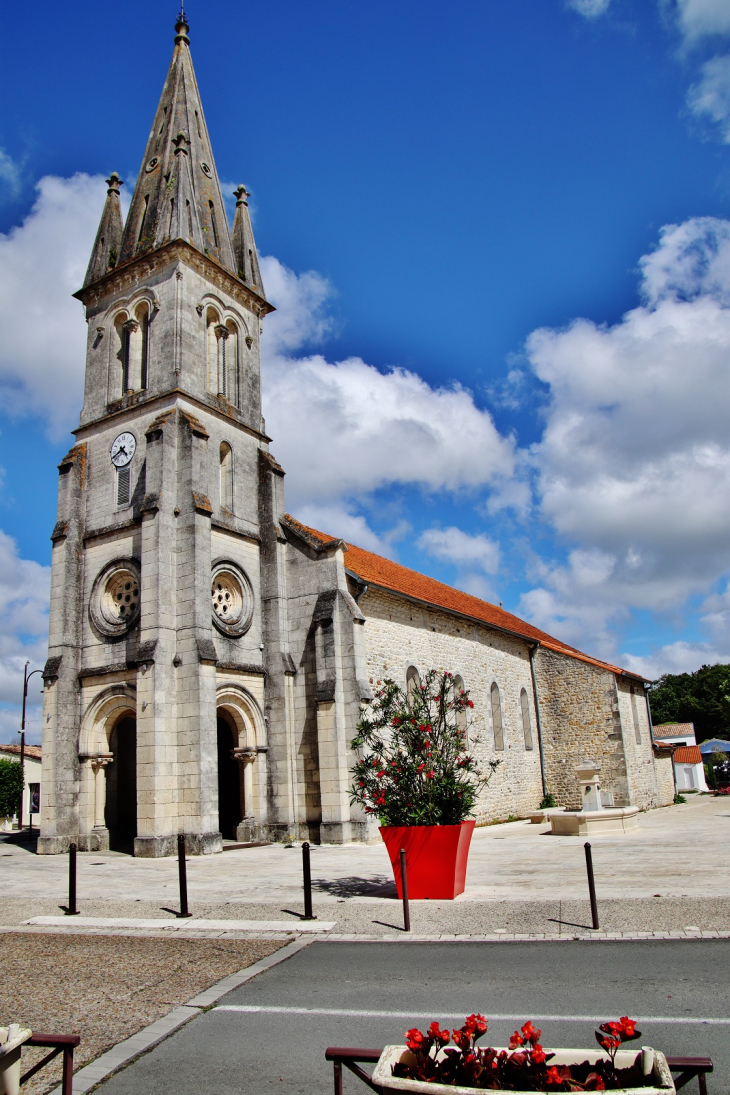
(238,711)
(225,311)
(102,714)
(413,680)
(212,328)
(245,714)
(129,303)
(495,702)
(106,711)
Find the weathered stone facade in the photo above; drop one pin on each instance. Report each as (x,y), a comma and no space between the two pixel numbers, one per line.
(208,655)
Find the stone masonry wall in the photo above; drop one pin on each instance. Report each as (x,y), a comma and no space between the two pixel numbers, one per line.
(580,720)
(399,634)
(663,766)
(641,773)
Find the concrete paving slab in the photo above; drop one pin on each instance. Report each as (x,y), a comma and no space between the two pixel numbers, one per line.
(187,925)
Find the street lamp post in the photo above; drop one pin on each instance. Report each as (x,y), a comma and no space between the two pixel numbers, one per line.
(26,678)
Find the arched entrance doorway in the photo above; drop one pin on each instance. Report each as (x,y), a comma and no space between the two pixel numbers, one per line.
(120,814)
(230,812)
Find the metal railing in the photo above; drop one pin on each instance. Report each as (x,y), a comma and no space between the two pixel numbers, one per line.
(688,1068)
(57,1043)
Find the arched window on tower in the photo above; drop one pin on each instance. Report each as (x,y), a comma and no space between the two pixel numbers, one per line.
(121,362)
(635,715)
(460,717)
(212,321)
(138,344)
(413,681)
(497,726)
(226,476)
(526,724)
(231,377)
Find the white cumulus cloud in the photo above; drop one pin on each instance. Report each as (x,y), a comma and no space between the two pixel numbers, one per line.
(345,429)
(709,97)
(24,592)
(591,9)
(700,18)
(453,545)
(42,262)
(9,175)
(633,468)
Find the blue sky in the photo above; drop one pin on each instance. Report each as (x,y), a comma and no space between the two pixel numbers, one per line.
(519,365)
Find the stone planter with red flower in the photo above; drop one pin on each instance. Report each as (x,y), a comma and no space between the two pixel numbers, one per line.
(427,1061)
(414,770)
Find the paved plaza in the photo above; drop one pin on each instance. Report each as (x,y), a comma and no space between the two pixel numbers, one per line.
(672,873)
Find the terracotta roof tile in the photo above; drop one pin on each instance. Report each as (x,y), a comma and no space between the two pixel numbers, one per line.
(688,754)
(378,571)
(33,751)
(674,729)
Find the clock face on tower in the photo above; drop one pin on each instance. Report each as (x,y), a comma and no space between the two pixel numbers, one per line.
(122,449)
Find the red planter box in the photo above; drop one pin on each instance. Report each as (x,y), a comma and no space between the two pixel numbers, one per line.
(436,857)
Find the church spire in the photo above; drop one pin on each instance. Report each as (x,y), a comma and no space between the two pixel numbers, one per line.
(177,193)
(105,255)
(244,248)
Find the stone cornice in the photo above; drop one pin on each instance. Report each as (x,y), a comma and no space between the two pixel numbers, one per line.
(171,394)
(140,269)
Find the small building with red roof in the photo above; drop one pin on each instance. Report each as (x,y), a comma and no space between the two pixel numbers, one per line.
(689,770)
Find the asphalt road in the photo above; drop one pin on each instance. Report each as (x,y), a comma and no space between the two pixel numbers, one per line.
(273,1037)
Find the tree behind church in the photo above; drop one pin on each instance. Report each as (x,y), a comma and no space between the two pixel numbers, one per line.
(702,697)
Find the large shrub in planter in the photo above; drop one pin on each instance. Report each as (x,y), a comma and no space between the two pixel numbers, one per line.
(413,766)
(11,787)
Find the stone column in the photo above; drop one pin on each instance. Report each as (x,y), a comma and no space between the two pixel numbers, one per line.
(221,333)
(246,831)
(99,840)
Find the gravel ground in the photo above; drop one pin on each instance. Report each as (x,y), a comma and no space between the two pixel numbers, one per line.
(384,916)
(106,988)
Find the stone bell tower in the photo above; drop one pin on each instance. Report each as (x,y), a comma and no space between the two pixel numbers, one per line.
(168,599)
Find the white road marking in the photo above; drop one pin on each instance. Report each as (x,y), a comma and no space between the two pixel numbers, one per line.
(260,1009)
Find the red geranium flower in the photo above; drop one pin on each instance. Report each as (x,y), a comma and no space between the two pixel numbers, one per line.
(438,1035)
(414,1038)
(531,1034)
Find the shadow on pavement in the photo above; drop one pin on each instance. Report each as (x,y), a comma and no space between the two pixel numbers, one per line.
(379,886)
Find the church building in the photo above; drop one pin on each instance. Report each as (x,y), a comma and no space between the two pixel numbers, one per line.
(208,654)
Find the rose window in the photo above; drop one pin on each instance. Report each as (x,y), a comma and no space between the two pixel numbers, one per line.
(114,605)
(121,597)
(227,597)
(231,599)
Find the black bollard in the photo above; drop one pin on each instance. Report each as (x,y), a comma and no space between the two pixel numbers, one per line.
(307,872)
(591,885)
(71,909)
(182,872)
(404,891)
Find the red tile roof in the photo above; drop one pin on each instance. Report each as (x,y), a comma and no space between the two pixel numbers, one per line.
(33,751)
(674,729)
(688,754)
(384,573)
